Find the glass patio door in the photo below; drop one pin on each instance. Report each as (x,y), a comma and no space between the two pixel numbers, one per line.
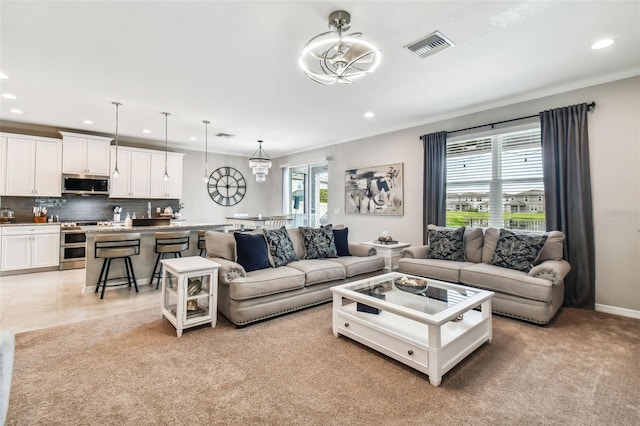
(306,194)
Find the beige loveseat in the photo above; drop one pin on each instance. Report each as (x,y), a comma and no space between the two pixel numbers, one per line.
(246,297)
(534,296)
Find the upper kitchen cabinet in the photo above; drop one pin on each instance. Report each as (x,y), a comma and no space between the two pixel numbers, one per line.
(171,188)
(34,166)
(133,167)
(85,154)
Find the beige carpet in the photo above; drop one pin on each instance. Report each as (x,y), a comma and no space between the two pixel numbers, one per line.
(584,369)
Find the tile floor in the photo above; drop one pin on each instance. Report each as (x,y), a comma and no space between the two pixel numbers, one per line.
(46,299)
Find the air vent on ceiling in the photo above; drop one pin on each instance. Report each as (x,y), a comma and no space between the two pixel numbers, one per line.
(427,46)
(225,135)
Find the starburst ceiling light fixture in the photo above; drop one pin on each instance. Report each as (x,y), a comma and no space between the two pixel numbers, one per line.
(166,139)
(205,178)
(334,57)
(260,164)
(116,172)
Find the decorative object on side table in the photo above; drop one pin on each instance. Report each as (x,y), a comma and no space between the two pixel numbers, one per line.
(193,288)
(385,238)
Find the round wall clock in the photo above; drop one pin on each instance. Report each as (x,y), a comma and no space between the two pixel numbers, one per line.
(226,186)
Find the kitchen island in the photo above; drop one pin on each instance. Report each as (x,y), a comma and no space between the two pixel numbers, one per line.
(142,263)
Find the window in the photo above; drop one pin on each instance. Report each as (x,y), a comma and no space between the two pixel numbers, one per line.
(505,170)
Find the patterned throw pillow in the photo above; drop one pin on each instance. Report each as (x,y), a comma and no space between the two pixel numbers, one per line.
(318,242)
(517,251)
(446,244)
(280,247)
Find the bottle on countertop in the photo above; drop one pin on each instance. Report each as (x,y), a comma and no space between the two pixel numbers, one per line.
(127,220)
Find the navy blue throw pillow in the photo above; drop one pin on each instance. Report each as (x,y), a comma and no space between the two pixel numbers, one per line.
(341,240)
(252,252)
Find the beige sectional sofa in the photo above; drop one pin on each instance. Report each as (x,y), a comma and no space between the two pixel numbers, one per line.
(534,296)
(245,297)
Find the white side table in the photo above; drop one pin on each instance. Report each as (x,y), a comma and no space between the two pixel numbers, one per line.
(190,292)
(390,252)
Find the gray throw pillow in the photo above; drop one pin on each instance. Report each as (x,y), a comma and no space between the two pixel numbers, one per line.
(446,244)
(318,242)
(280,247)
(517,251)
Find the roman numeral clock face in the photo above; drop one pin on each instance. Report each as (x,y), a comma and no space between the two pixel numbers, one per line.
(227,186)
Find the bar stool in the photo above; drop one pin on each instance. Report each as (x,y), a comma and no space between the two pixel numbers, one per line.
(169,242)
(116,246)
(201,243)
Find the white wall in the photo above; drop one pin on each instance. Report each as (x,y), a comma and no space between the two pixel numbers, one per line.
(614,132)
(199,207)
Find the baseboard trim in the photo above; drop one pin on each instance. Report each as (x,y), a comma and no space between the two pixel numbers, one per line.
(618,311)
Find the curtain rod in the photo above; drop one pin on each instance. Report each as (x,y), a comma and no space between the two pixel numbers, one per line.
(589,106)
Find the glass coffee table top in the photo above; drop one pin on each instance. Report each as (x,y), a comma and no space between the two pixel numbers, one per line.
(417,293)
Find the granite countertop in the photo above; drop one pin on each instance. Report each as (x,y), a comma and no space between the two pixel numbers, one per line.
(95,229)
(29,224)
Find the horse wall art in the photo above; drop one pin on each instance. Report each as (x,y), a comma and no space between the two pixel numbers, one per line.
(375,190)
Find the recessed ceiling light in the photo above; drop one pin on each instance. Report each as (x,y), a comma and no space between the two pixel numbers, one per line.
(16,111)
(145,131)
(3,75)
(369,114)
(87,122)
(8,96)
(193,138)
(601,44)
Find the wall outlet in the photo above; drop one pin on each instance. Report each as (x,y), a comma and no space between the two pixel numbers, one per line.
(157,209)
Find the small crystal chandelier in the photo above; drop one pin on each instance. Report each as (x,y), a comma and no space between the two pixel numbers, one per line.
(260,164)
(205,178)
(116,172)
(166,120)
(332,57)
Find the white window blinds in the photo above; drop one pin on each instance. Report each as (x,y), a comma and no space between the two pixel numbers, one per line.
(494,180)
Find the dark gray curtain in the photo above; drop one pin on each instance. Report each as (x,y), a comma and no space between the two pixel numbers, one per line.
(434,181)
(567,185)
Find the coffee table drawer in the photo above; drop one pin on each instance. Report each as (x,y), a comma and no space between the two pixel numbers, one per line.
(384,340)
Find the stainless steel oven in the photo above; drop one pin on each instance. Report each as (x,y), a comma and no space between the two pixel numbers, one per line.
(73,247)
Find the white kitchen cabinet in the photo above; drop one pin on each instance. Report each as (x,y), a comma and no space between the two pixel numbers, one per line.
(3,164)
(133,165)
(33,166)
(171,188)
(27,247)
(85,154)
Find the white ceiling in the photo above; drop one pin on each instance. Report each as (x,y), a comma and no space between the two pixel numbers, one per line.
(235,63)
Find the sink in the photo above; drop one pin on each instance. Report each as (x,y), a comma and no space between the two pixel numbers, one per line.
(151,222)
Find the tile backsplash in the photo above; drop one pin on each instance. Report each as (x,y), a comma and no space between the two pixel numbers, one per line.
(71,207)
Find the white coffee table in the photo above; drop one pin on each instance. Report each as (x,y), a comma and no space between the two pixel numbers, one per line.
(422,331)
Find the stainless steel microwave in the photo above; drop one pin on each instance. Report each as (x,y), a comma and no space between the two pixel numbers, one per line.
(85,184)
